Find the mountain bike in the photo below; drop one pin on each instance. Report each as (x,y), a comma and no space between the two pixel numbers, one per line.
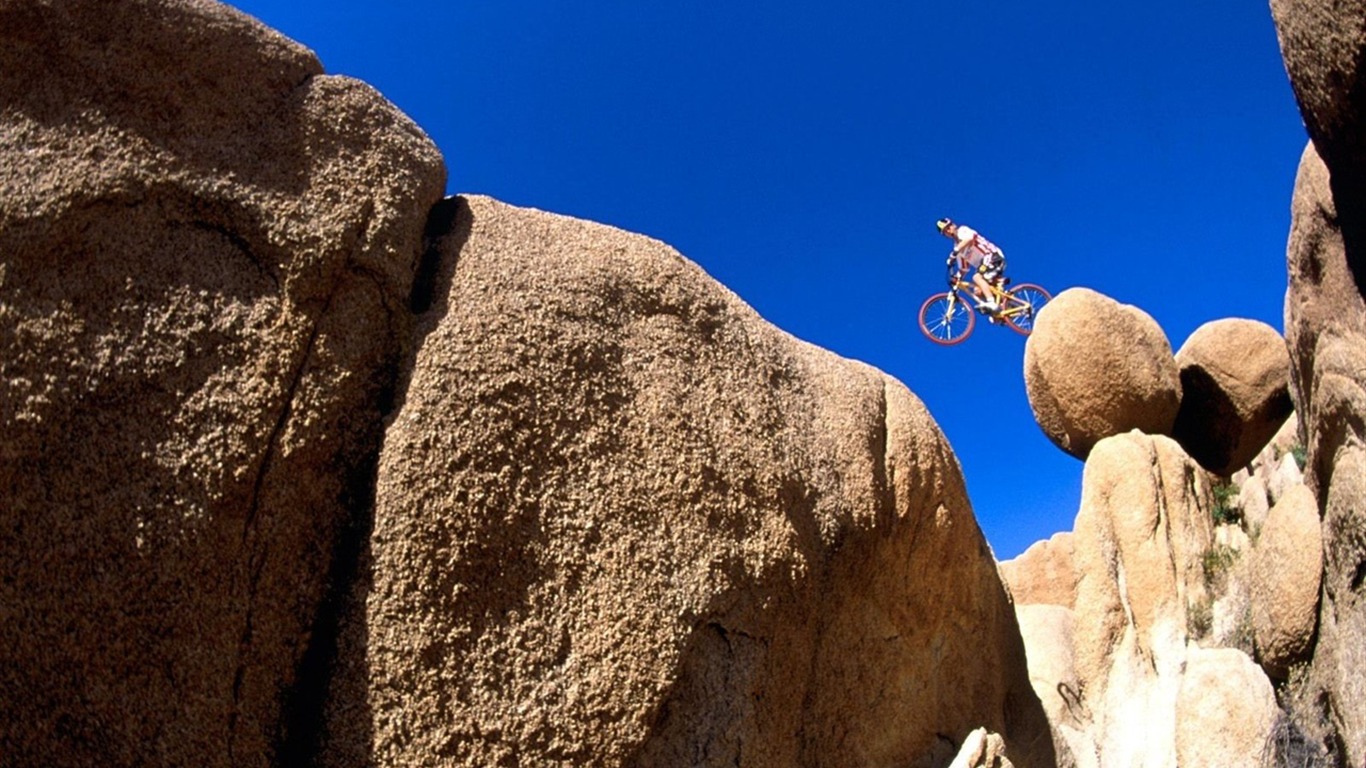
(949,317)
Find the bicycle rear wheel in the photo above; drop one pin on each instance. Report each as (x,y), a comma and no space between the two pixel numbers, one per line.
(946,319)
(1023,303)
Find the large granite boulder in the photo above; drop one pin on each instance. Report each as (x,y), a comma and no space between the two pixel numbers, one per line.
(1322,43)
(206,253)
(1287,565)
(1096,368)
(1142,530)
(1235,392)
(1225,711)
(622,520)
(1326,331)
(1043,574)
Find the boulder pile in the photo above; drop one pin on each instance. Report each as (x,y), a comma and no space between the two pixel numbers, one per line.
(1324,47)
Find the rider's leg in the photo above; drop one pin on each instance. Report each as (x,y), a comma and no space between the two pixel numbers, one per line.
(984,291)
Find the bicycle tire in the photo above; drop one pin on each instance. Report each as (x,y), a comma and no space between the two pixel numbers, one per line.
(946,319)
(1030,295)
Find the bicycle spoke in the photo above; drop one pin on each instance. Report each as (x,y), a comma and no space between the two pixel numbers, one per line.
(945,319)
(1025,302)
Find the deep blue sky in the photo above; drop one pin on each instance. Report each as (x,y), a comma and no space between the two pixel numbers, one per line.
(800,152)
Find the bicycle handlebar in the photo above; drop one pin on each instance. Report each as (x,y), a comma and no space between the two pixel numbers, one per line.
(951,271)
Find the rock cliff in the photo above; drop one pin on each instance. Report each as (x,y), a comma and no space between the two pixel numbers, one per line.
(305,465)
(1324,45)
(206,251)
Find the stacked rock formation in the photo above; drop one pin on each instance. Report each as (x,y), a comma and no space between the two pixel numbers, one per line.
(1123,616)
(1324,47)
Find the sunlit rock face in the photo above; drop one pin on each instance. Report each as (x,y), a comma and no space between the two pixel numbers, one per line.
(1324,47)
(1095,368)
(1140,534)
(206,250)
(1287,568)
(1326,330)
(1043,574)
(621,520)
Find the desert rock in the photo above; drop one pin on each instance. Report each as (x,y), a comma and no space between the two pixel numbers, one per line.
(1326,330)
(206,251)
(1043,574)
(1235,392)
(1140,535)
(1224,712)
(622,520)
(1286,567)
(1096,368)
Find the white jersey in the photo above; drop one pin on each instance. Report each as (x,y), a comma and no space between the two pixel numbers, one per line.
(971,247)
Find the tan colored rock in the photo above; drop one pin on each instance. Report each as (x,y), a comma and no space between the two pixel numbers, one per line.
(1326,331)
(1140,535)
(1048,635)
(624,521)
(1284,479)
(1254,502)
(982,749)
(1225,710)
(206,252)
(1235,392)
(1286,569)
(1043,573)
(1095,368)
(1321,42)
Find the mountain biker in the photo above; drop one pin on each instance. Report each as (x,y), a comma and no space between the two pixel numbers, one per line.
(970,249)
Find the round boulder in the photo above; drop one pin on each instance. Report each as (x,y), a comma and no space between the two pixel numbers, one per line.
(1096,368)
(1235,392)
(1286,567)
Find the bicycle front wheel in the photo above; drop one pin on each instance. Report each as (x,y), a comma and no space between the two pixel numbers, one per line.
(946,319)
(1022,305)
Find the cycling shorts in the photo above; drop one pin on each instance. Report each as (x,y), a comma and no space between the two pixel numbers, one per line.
(993,264)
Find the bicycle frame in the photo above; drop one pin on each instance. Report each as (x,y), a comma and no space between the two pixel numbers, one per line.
(949,317)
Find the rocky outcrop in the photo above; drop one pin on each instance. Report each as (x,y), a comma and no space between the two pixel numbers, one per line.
(1043,574)
(1322,42)
(1287,563)
(1235,392)
(1151,667)
(207,249)
(1225,710)
(1274,472)
(1142,529)
(1049,632)
(1326,330)
(982,749)
(623,521)
(1095,368)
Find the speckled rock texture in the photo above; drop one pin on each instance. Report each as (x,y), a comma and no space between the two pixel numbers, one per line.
(1326,330)
(623,521)
(206,252)
(1095,368)
(1235,392)
(1140,535)
(1043,574)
